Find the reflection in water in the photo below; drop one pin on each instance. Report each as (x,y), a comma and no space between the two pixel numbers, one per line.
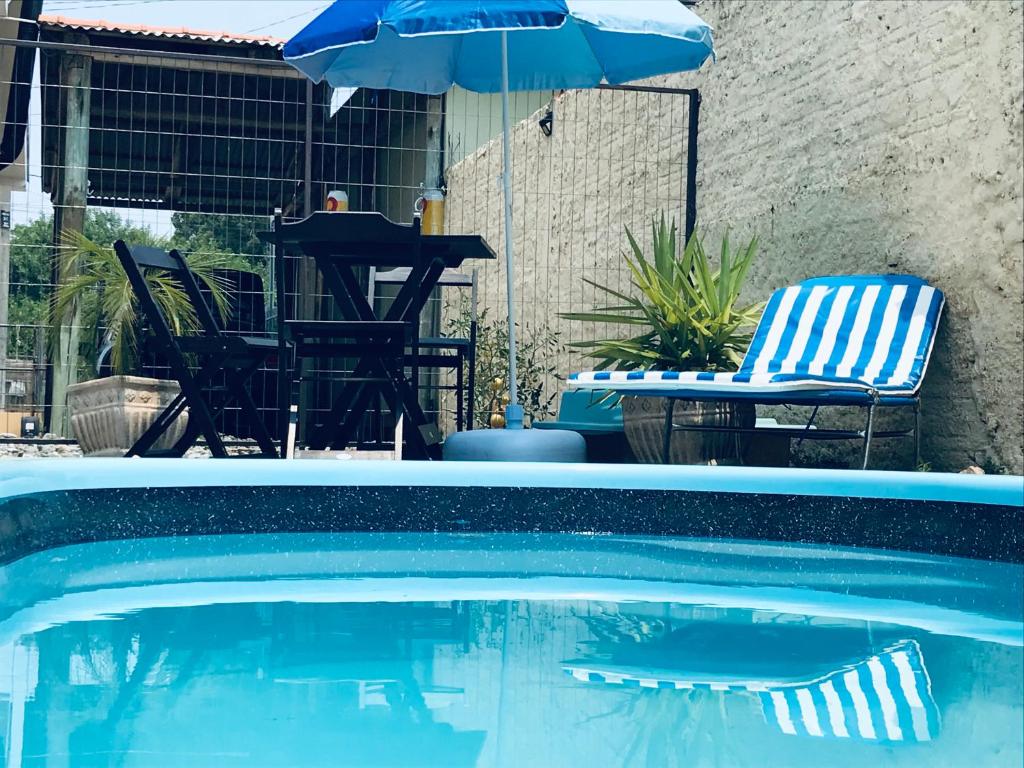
(485,683)
(826,683)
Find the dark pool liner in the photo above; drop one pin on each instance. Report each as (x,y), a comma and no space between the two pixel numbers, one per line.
(51,503)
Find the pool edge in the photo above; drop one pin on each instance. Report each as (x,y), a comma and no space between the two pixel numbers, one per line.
(30,476)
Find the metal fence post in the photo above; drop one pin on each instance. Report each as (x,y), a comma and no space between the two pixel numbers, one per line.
(307,275)
(693,123)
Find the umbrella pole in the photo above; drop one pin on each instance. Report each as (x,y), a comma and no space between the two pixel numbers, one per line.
(513,411)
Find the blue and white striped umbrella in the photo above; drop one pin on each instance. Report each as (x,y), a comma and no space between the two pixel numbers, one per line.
(885,698)
(491,46)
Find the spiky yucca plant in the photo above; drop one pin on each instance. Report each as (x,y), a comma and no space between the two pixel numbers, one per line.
(685,309)
(99,291)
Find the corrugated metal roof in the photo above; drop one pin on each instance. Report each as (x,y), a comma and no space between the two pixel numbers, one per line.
(181,33)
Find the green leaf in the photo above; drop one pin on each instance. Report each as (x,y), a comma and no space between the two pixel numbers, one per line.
(687,303)
(725,275)
(95,284)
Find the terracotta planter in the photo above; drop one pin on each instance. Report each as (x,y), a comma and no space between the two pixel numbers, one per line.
(644,421)
(108,415)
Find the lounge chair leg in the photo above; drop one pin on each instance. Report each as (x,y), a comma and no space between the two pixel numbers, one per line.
(867,435)
(807,429)
(917,434)
(666,448)
(741,449)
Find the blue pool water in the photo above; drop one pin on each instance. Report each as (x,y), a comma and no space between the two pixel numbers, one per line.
(496,649)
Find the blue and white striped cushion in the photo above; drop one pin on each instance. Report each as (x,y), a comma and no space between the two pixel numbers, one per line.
(860,332)
(885,698)
(706,382)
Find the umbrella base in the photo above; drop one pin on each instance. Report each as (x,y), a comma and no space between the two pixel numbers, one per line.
(548,445)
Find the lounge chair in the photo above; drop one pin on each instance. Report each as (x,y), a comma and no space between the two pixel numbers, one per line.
(857,340)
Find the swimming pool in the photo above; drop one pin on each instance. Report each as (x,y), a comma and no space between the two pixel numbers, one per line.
(329,613)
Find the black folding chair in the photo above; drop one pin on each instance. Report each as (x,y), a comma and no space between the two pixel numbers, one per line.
(443,352)
(214,351)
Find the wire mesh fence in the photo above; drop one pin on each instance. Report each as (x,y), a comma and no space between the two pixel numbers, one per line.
(194,147)
(586,166)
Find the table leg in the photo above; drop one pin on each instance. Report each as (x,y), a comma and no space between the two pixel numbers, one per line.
(415,437)
(352,403)
(341,423)
(400,397)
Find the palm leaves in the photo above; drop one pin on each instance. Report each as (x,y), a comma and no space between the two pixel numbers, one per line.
(98,289)
(689,310)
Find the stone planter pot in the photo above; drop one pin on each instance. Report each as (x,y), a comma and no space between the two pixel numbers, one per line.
(108,415)
(644,421)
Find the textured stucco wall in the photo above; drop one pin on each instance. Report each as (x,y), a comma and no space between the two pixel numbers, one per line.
(851,137)
(613,160)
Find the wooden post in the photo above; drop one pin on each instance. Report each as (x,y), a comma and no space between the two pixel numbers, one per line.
(68,217)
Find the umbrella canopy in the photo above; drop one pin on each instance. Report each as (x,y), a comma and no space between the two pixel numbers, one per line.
(427,47)
(492,46)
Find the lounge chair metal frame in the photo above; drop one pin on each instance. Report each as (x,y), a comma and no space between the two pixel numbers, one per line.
(857,340)
(806,432)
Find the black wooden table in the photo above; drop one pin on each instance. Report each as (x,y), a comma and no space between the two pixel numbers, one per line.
(340,243)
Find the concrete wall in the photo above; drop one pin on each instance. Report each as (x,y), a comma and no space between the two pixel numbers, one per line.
(850,137)
(473,119)
(613,160)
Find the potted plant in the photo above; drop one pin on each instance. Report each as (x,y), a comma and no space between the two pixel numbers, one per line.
(537,354)
(687,317)
(110,413)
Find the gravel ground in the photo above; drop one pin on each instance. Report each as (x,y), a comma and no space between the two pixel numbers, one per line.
(72,451)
